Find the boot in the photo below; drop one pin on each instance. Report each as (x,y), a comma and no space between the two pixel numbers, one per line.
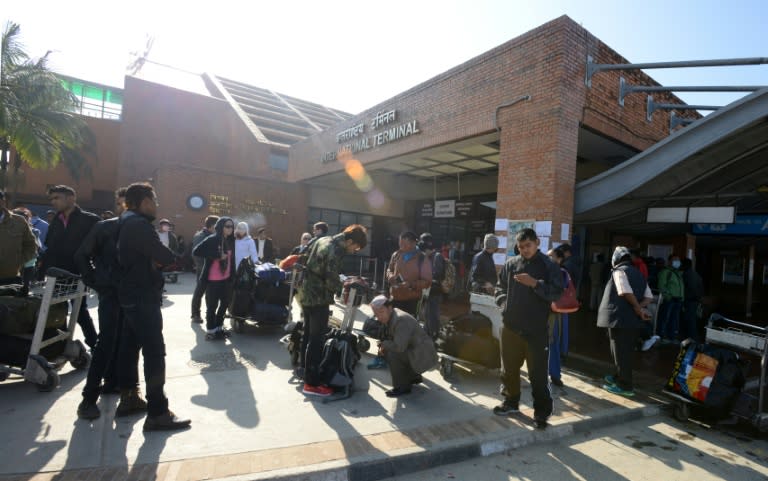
(130,403)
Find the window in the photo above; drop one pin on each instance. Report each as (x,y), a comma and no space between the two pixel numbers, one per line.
(278,161)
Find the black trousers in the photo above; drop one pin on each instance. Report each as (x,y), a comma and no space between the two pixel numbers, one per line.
(144,328)
(535,352)
(217,297)
(197,297)
(85,322)
(623,352)
(106,354)
(315,329)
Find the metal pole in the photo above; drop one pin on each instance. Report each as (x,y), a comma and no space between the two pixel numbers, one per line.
(750,280)
(625,88)
(652,106)
(593,68)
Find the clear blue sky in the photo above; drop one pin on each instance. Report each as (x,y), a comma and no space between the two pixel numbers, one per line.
(353,55)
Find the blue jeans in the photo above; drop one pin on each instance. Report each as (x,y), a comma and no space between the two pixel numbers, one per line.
(558,346)
(669,318)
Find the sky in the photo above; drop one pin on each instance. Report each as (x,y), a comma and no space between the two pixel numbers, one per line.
(353,55)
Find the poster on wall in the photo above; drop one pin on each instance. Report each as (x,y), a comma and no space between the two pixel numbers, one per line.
(513,228)
(733,269)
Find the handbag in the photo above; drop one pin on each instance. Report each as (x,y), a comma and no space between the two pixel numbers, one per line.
(568,302)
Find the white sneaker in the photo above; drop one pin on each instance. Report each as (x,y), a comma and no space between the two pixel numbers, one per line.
(649,343)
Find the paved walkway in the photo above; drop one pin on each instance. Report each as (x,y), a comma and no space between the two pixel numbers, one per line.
(251,421)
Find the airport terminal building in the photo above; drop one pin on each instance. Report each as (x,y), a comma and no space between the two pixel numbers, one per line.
(521,133)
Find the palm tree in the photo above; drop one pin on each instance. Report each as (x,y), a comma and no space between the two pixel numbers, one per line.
(38,123)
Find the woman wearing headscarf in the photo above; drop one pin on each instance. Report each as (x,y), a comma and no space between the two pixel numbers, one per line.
(408,349)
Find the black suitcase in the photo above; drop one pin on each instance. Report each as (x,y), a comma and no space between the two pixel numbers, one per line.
(469,337)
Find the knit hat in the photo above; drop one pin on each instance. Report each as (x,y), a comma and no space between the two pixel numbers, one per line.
(490,241)
(379,301)
(618,254)
(242,227)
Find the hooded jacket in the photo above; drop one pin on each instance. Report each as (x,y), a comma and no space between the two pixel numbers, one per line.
(211,249)
(245,247)
(17,244)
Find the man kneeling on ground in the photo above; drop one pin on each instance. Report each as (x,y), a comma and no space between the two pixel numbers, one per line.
(407,347)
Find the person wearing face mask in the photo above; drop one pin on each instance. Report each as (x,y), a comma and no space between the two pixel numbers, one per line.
(244,245)
(672,289)
(218,274)
(167,237)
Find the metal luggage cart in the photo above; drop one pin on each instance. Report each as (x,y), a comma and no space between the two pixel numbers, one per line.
(59,286)
(484,304)
(745,339)
(238,323)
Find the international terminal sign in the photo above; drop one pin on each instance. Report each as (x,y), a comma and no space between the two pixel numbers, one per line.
(383,128)
(744,225)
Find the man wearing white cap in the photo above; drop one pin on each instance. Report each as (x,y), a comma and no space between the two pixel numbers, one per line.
(407,347)
(622,311)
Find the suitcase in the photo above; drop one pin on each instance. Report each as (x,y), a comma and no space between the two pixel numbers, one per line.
(18,315)
(469,337)
(274,314)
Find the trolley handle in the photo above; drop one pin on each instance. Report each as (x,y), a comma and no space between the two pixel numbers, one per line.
(61,273)
(718,317)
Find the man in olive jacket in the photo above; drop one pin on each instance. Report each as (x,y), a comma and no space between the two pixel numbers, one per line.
(321,281)
(528,284)
(17,244)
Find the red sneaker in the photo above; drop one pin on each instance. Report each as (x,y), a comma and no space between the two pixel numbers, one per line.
(322,391)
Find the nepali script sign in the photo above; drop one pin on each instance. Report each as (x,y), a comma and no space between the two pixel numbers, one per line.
(383,128)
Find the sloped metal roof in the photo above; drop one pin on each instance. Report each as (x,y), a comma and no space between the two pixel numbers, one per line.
(275,118)
(721,159)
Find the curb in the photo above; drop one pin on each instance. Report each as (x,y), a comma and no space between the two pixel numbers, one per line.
(386,465)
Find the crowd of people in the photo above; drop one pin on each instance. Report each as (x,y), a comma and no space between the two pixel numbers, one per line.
(121,259)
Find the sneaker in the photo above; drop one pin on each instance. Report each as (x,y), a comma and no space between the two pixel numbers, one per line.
(615,389)
(557,382)
(506,408)
(217,335)
(378,363)
(130,403)
(398,391)
(88,410)
(322,391)
(610,380)
(197,319)
(648,343)
(165,422)
(540,423)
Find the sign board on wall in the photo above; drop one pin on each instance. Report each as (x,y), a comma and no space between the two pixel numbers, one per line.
(445,209)
(744,225)
(465,208)
(427,209)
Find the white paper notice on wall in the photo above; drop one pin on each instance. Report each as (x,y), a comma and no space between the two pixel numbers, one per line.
(499,258)
(565,231)
(501,225)
(502,242)
(544,244)
(544,228)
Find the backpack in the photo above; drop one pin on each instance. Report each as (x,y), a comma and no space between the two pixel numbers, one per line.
(340,355)
(269,273)
(568,302)
(449,279)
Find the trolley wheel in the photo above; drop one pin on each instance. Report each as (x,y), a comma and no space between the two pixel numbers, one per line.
(52,381)
(446,368)
(681,411)
(363,344)
(238,325)
(82,360)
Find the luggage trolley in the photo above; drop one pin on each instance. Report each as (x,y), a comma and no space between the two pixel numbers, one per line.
(39,367)
(745,339)
(486,305)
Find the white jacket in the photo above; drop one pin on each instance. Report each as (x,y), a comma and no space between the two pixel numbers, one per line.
(243,248)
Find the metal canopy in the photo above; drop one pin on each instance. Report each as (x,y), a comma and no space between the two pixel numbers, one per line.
(721,159)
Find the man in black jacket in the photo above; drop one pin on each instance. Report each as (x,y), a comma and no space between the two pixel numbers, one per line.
(97,260)
(483,276)
(65,234)
(141,295)
(528,283)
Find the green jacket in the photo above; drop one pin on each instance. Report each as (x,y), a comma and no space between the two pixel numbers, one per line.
(671,283)
(321,273)
(17,244)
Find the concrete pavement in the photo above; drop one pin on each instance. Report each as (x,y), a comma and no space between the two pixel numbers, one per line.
(251,421)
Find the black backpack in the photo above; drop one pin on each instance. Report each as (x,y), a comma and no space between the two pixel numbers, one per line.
(340,355)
